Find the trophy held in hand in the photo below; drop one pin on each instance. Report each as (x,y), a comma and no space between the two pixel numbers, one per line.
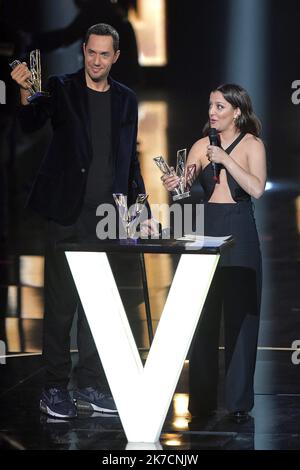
(35,83)
(185,173)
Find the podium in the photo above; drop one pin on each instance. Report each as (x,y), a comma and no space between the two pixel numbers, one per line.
(142,393)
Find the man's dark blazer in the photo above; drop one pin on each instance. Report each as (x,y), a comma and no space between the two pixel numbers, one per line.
(59,188)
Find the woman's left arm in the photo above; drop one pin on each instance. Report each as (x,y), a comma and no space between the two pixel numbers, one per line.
(252,181)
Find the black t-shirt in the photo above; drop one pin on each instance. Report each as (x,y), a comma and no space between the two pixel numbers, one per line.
(101,172)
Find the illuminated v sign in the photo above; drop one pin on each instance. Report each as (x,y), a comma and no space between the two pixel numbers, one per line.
(142,394)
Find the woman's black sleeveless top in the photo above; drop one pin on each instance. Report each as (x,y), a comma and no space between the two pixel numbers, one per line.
(208,183)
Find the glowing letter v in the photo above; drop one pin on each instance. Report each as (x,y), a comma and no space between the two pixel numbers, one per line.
(142,394)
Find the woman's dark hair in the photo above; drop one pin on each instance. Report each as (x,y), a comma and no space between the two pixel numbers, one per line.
(239,98)
(102,29)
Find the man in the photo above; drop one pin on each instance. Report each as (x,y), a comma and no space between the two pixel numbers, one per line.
(92,155)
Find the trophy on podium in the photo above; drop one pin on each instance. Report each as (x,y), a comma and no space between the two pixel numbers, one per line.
(35,82)
(130,217)
(184,172)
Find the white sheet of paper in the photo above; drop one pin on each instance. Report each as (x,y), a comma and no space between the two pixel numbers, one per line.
(203,241)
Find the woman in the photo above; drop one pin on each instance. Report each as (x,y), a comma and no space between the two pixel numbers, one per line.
(236,288)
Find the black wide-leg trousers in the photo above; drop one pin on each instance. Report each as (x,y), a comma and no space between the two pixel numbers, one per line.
(235,292)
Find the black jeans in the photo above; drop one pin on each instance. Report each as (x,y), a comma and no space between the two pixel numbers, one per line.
(61,302)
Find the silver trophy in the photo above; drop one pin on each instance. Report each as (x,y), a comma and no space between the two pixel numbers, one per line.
(35,82)
(184,172)
(130,217)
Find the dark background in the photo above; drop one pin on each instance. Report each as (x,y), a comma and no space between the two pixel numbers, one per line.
(199,51)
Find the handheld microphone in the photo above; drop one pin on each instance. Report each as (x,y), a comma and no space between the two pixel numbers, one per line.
(214,140)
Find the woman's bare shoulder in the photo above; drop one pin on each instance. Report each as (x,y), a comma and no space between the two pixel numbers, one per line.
(200,144)
(252,140)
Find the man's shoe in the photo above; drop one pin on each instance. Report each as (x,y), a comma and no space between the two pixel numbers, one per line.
(92,399)
(239,417)
(58,403)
